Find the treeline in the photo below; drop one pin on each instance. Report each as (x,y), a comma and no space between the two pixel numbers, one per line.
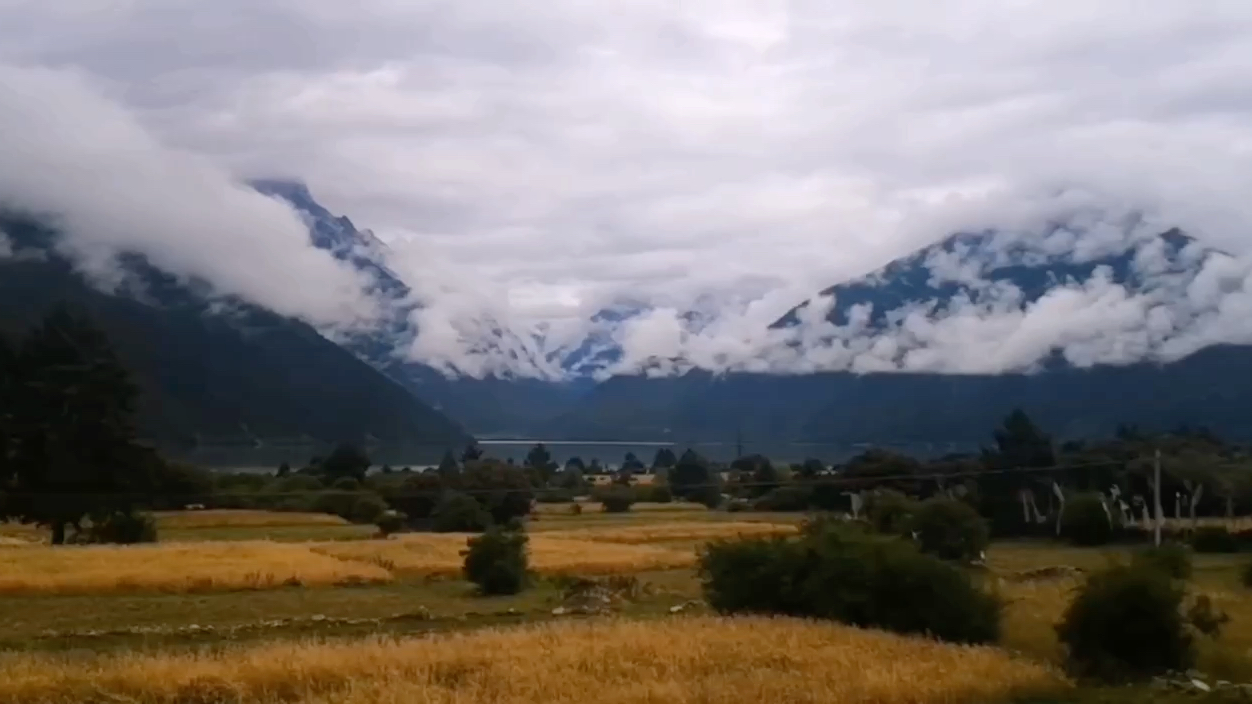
(70,460)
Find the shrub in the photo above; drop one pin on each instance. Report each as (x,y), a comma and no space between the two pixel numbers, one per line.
(298,483)
(890,511)
(1085,522)
(785,498)
(125,528)
(496,561)
(368,508)
(390,522)
(1171,558)
(660,494)
(1126,623)
(1214,539)
(843,574)
(950,529)
(336,502)
(1247,575)
(458,512)
(346,484)
(576,509)
(615,498)
(555,496)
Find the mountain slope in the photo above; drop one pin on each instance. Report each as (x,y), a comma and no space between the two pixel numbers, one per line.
(1076,384)
(220,379)
(491,405)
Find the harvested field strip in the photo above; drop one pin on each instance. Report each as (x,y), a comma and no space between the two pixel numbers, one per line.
(708,660)
(665,532)
(233,518)
(175,568)
(439,554)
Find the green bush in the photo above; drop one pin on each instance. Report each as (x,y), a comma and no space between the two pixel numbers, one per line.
(554,496)
(124,528)
(660,494)
(390,522)
(950,529)
(346,484)
(792,497)
(1126,623)
(843,574)
(458,512)
(615,498)
(1172,558)
(336,502)
(368,508)
(298,483)
(1084,521)
(1214,539)
(890,512)
(496,561)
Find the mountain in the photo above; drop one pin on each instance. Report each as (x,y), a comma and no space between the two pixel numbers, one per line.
(493,405)
(226,380)
(886,381)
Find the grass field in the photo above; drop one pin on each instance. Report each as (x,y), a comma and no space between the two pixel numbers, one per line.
(175,567)
(131,617)
(707,660)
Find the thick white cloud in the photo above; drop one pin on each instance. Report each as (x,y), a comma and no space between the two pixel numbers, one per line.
(83,162)
(533,162)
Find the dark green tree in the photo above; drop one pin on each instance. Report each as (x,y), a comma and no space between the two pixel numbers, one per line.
(664,459)
(631,464)
(471,453)
(70,447)
(693,479)
(539,459)
(575,463)
(448,466)
(346,460)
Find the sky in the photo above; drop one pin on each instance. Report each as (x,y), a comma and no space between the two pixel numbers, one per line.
(531,163)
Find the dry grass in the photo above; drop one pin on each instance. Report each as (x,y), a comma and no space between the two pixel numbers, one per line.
(674,532)
(227,518)
(439,554)
(706,660)
(174,568)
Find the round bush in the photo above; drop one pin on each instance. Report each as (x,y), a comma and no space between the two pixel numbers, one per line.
(346,484)
(496,561)
(390,522)
(615,498)
(890,512)
(1214,539)
(846,575)
(660,494)
(1126,623)
(1084,521)
(458,512)
(783,498)
(950,529)
(1171,558)
(368,508)
(123,528)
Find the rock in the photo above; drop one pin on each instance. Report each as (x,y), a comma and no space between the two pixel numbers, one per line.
(560,611)
(676,609)
(1200,685)
(318,617)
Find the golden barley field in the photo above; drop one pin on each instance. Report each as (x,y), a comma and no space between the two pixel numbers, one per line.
(439,554)
(674,532)
(611,661)
(174,568)
(242,518)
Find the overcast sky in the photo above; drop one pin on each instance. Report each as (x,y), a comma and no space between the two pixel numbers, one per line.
(537,160)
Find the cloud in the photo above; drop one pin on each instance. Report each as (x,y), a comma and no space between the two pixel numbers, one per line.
(528,164)
(84,162)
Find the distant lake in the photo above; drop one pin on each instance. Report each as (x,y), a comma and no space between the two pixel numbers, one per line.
(612,452)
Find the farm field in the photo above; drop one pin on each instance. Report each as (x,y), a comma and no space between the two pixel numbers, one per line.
(138,609)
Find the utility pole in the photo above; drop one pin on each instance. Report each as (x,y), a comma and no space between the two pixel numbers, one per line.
(738,442)
(1156,496)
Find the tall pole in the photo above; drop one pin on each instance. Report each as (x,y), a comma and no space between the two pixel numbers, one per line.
(1156,493)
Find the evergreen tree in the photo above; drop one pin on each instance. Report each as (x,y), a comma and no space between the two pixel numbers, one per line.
(472,453)
(664,459)
(70,445)
(346,460)
(448,467)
